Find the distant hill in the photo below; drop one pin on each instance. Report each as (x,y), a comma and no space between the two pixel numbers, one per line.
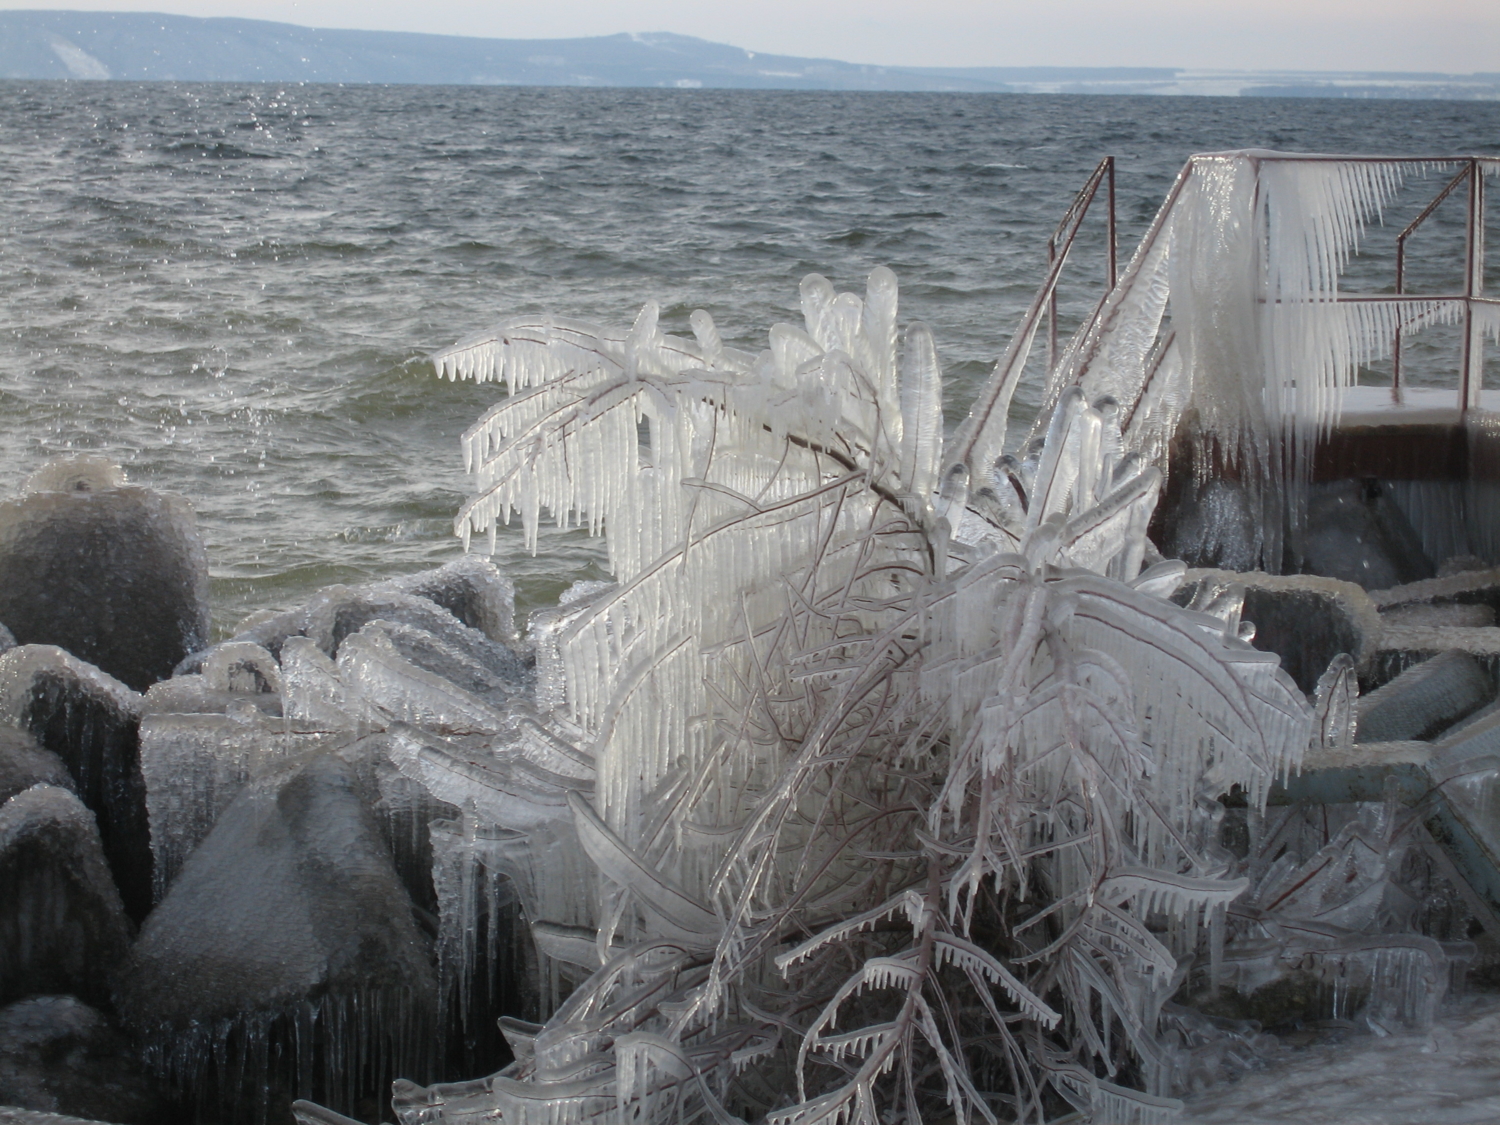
(144,46)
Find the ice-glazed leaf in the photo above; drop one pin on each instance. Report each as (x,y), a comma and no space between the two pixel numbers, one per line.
(965,954)
(921,415)
(1335,707)
(1165,892)
(691,920)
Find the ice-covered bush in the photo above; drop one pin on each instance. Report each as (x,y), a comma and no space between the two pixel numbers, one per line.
(904,795)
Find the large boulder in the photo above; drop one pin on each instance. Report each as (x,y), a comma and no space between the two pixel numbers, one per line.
(62,925)
(115,574)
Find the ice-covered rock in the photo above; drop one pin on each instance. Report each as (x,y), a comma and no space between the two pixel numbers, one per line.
(1212,522)
(195,765)
(339,612)
(292,894)
(395,689)
(240,666)
(115,574)
(14,1115)
(1450,616)
(90,720)
(62,925)
(1461,586)
(59,1056)
(1355,532)
(192,695)
(1305,619)
(1425,699)
(473,590)
(288,925)
(314,696)
(460,615)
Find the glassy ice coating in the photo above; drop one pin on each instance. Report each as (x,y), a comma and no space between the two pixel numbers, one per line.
(887,791)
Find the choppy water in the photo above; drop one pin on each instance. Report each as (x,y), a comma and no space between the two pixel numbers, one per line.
(232,289)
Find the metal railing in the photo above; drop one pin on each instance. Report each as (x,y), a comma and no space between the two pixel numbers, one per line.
(987,416)
(1471,368)
(1067,232)
(994,400)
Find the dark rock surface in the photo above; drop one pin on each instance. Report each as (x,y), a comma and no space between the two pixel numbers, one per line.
(91,721)
(287,946)
(59,1056)
(62,925)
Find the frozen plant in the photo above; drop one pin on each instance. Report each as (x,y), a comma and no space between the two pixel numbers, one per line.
(905,789)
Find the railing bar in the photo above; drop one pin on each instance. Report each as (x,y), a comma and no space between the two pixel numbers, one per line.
(1114,267)
(1006,374)
(1157,359)
(1324,157)
(1473,230)
(1051,310)
(1433,206)
(1372,299)
(1082,200)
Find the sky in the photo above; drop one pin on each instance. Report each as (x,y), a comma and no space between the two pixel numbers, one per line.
(1455,36)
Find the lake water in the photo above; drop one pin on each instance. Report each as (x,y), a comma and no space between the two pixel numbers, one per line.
(232,289)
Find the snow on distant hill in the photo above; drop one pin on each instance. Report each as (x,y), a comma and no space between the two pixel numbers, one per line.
(144,46)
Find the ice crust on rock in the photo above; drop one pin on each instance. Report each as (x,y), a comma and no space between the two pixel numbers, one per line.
(1361,539)
(287,922)
(394,689)
(115,574)
(1425,699)
(1443,1075)
(62,925)
(14,1115)
(195,765)
(291,893)
(1446,616)
(23,764)
(275,767)
(473,590)
(1306,619)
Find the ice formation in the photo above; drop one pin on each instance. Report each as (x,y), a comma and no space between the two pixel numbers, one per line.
(89,719)
(888,779)
(63,928)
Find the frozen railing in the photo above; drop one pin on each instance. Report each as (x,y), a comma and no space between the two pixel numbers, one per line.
(1471,176)
(1319,221)
(1234,314)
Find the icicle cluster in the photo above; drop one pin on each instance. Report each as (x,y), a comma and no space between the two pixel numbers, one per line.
(900,785)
